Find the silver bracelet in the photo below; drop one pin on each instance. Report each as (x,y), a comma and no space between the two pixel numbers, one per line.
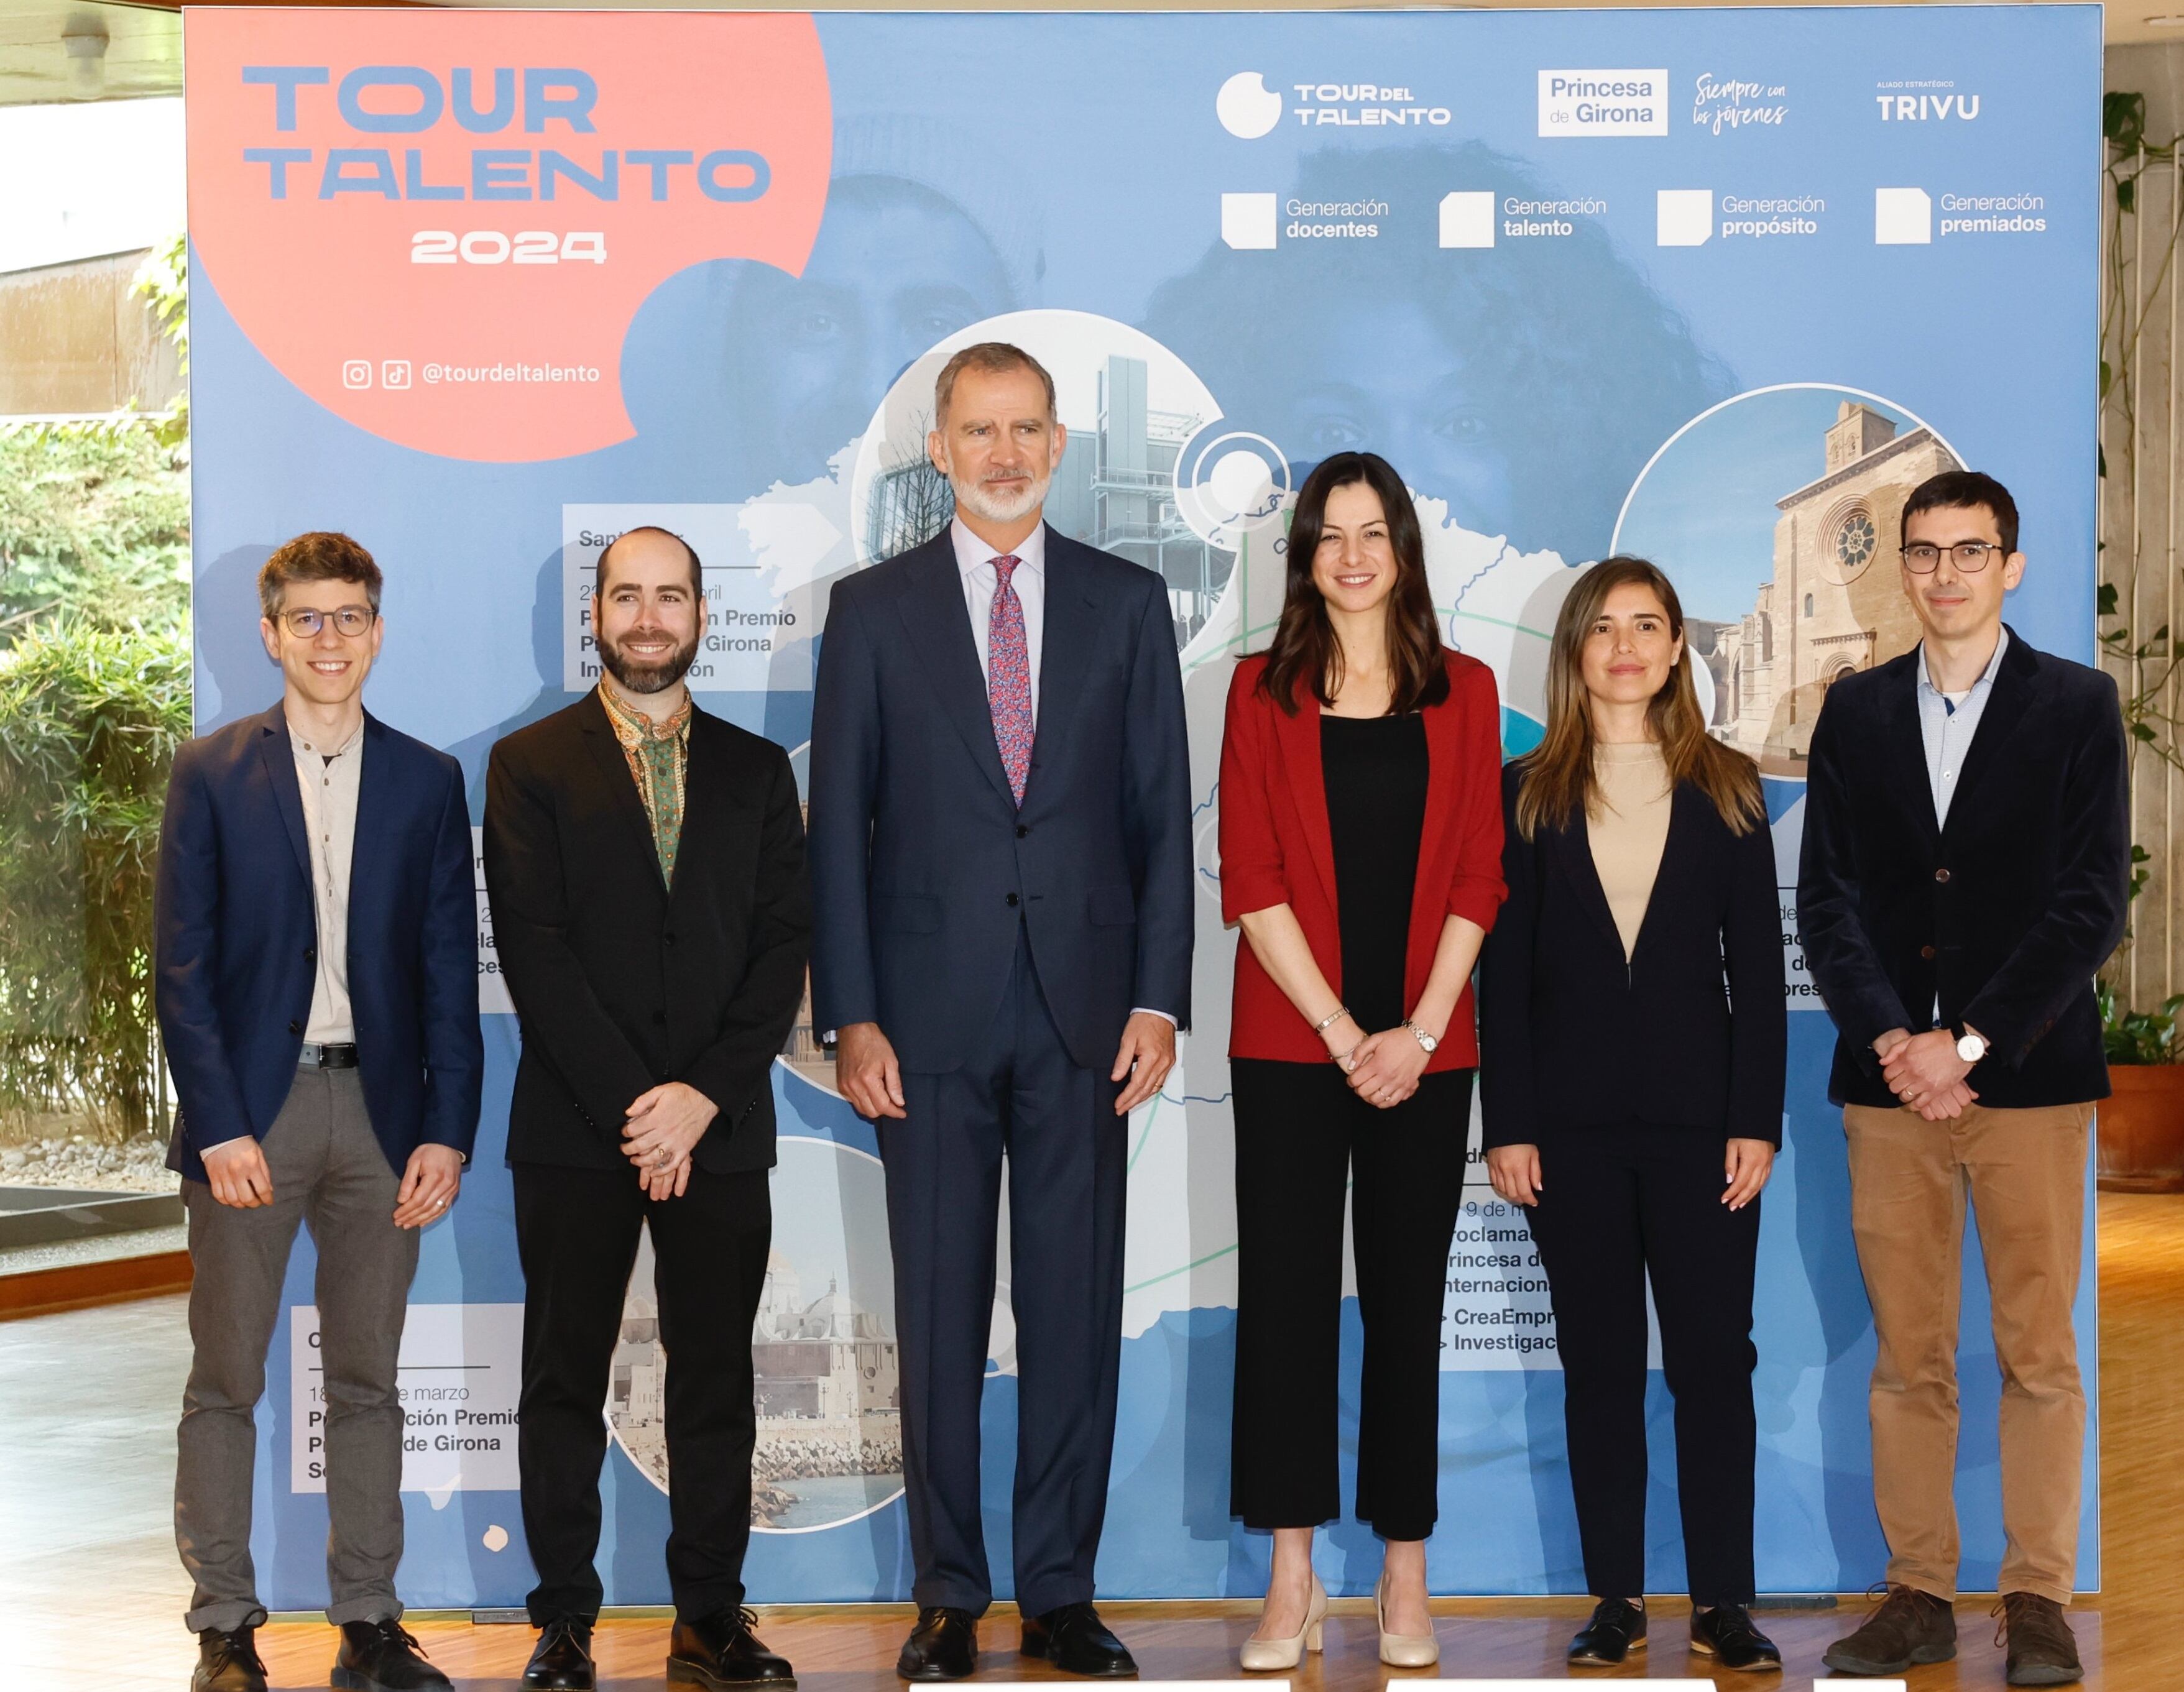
(1329,1020)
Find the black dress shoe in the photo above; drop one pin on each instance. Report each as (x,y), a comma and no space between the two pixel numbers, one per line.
(562,1661)
(1726,1635)
(1075,1641)
(720,1651)
(228,1662)
(943,1645)
(1616,1628)
(383,1656)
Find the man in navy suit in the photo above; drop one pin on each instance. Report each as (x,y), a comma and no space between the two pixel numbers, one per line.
(316,980)
(1000,858)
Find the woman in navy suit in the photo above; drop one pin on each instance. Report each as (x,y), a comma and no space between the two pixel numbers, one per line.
(1632,1105)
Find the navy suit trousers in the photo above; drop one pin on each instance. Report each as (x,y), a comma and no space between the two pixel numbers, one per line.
(1019,1093)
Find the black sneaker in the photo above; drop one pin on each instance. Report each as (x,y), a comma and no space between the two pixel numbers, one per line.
(1726,1635)
(1616,1628)
(228,1661)
(383,1655)
(1910,1626)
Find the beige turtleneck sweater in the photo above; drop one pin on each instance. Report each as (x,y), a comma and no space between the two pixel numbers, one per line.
(1627,827)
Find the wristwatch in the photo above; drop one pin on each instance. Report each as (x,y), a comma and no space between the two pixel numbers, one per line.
(1970,1047)
(1423,1039)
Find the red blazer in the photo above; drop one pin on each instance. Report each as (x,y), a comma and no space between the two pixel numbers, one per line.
(1277,848)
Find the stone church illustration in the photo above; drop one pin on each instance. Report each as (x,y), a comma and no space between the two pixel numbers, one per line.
(1835,601)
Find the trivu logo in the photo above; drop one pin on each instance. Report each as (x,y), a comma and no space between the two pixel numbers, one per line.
(1246,107)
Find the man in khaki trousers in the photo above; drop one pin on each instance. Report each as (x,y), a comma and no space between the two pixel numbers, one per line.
(1965,870)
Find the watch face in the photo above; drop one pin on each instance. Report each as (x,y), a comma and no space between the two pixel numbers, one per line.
(1970,1048)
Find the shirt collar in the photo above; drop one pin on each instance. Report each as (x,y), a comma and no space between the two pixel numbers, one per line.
(1986,675)
(970,552)
(296,738)
(630,723)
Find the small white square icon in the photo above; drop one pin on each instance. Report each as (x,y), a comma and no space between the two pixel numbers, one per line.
(356,373)
(1902,217)
(1249,221)
(394,373)
(1466,218)
(1683,217)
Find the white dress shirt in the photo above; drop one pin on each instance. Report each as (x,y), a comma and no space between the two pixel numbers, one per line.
(328,778)
(974,562)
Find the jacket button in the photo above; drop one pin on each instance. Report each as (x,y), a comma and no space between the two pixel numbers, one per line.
(661,1017)
(1925,951)
(295,1027)
(1011,900)
(1941,875)
(310,954)
(1021,831)
(669,939)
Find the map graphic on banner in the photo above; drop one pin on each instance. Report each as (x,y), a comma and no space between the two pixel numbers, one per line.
(485,289)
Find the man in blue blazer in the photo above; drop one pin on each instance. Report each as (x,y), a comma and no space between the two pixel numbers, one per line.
(317,982)
(1000,864)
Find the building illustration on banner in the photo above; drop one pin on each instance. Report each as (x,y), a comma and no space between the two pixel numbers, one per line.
(1834,602)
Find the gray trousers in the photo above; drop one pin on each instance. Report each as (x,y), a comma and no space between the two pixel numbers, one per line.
(330,1174)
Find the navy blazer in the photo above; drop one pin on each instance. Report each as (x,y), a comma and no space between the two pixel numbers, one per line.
(922,867)
(2005,914)
(1690,1030)
(237,935)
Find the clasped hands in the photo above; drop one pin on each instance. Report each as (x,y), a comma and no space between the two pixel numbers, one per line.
(1383,1068)
(665,1124)
(1925,1072)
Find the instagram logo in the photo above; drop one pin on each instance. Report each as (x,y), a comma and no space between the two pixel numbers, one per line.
(356,373)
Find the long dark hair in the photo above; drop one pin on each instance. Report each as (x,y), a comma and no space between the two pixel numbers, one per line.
(1305,650)
(1558,782)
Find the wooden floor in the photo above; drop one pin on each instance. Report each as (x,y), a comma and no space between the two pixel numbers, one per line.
(93,1595)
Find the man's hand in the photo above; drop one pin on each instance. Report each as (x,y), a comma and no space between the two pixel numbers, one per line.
(236,1172)
(429,1185)
(1925,1069)
(1745,1167)
(866,1073)
(1514,1170)
(665,1123)
(1385,1068)
(1148,1048)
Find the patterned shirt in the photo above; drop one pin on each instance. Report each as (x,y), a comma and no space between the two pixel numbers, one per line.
(659,757)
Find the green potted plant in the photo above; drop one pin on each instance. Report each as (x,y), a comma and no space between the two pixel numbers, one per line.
(2142,1122)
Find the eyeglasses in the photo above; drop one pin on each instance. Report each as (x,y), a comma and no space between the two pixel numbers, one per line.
(1922,558)
(352,620)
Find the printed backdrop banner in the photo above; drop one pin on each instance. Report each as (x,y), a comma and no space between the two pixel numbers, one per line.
(486,288)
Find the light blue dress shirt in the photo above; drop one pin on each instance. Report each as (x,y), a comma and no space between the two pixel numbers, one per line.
(1947,726)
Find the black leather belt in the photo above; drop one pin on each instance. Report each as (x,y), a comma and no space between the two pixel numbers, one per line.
(327,1057)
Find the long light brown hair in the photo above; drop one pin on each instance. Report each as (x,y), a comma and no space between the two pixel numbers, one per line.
(1557,785)
(1305,650)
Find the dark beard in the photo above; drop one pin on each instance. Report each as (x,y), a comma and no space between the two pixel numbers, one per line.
(648,678)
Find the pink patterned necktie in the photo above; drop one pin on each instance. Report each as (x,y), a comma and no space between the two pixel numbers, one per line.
(1008,677)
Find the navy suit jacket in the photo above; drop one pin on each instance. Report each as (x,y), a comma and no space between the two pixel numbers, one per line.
(922,867)
(237,940)
(2005,913)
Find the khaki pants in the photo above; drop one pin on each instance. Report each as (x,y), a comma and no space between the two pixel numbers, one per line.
(2025,1171)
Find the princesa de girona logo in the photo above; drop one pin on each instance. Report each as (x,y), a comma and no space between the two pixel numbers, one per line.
(439,225)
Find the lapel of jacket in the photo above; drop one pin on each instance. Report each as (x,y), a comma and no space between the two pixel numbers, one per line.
(2016,688)
(1444,755)
(366,858)
(1903,741)
(705,801)
(1681,842)
(1297,734)
(611,765)
(1571,848)
(278,755)
(930,606)
(1066,641)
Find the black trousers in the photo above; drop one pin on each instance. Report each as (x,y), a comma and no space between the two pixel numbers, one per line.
(1619,1206)
(577,1234)
(1018,1092)
(1301,1137)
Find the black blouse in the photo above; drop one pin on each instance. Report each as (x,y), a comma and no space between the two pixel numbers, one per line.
(1376,771)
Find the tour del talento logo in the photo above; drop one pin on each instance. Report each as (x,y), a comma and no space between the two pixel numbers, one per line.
(1246,107)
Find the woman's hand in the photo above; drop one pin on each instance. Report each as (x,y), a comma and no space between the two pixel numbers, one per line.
(1746,1168)
(1514,1170)
(1385,1068)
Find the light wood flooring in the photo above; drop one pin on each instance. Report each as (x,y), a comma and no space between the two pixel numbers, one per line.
(93,1595)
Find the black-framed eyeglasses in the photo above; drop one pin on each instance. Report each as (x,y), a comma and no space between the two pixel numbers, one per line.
(352,620)
(1923,558)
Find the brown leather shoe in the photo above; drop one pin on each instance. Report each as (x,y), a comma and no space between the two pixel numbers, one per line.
(2041,1650)
(1910,1626)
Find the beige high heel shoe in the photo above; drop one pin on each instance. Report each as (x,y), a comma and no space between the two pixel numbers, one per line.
(1402,1650)
(1260,1654)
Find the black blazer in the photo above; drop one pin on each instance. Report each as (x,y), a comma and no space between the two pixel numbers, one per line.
(619,983)
(1573,1036)
(2006,913)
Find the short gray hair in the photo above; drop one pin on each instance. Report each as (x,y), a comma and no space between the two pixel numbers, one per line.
(992,358)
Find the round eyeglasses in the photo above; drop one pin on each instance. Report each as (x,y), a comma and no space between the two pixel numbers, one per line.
(352,620)
(1923,558)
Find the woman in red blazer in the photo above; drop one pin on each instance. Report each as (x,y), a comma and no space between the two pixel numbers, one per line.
(1361,854)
